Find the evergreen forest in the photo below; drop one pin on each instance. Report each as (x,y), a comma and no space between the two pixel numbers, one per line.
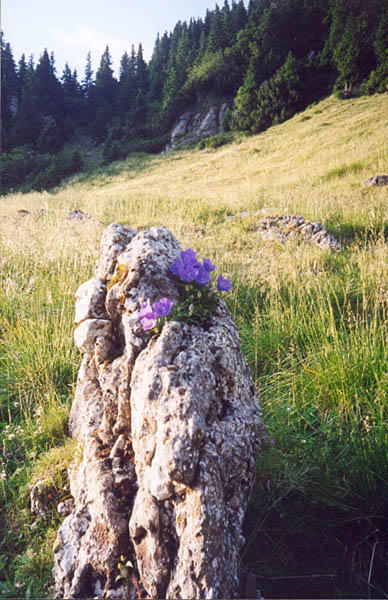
(269,60)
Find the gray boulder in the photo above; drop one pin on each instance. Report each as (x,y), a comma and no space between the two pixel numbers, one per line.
(283,228)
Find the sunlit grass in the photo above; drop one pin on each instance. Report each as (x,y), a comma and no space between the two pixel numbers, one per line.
(313,327)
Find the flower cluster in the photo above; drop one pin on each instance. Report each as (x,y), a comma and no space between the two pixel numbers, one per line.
(190,269)
(197,298)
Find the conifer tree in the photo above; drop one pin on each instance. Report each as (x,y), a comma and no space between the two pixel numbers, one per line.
(217,38)
(9,93)
(28,121)
(21,74)
(127,84)
(105,97)
(158,67)
(87,82)
(48,90)
(73,97)
(378,79)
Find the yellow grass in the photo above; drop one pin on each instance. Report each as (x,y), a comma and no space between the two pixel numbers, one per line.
(314,164)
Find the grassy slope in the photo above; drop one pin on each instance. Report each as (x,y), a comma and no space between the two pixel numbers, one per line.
(313,326)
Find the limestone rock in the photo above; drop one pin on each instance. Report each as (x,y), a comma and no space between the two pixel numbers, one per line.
(377,180)
(77,215)
(197,123)
(41,495)
(170,428)
(64,508)
(90,298)
(295,227)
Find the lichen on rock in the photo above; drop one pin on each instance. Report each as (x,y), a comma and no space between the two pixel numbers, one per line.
(170,428)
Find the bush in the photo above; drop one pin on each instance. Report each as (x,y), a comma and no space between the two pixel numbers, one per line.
(64,164)
(213,141)
(21,165)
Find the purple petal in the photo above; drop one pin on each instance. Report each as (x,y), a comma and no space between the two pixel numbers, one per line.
(188,274)
(189,258)
(208,265)
(146,309)
(149,321)
(162,307)
(176,266)
(202,276)
(223,285)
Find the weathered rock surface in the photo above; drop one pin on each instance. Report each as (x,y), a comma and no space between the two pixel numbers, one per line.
(296,228)
(377,180)
(77,215)
(196,124)
(170,434)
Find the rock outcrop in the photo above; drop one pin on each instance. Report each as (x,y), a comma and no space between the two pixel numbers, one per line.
(196,124)
(170,430)
(295,227)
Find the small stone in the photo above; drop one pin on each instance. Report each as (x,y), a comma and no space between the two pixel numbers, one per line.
(64,508)
(378,180)
(77,215)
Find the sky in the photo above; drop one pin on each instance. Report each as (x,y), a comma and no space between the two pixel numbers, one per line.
(70,28)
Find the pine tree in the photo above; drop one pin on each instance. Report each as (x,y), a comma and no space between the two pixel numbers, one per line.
(105,97)
(87,82)
(346,56)
(217,37)
(239,18)
(28,121)
(73,98)
(158,67)
(142,88)
(378,79)
(127,85)
(21,74)
(227,24)
(48,89)
(9,93)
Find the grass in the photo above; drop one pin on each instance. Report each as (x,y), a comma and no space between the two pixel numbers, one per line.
(313,327)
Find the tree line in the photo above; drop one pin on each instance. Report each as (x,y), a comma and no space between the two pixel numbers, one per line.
(269,60)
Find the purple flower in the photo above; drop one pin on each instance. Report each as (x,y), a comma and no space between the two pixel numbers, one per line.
(208,265)
(189,257)
(188,274)
(176,266)
(186,267)
(147,317)
(163,307)
(223,285)
(202,276)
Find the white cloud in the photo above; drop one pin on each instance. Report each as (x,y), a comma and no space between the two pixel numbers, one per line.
(84,39)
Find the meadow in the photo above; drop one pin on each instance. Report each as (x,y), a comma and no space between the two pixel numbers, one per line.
(313,326)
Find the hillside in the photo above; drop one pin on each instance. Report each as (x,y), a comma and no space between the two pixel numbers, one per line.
(313,325)
(262,61)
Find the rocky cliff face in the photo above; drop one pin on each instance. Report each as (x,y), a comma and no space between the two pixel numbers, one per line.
(197,123)
(169,426)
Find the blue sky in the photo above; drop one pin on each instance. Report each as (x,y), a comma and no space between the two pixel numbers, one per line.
(73,27)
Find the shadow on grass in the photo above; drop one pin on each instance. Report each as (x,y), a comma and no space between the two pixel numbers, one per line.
(347,233)
(305,551)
